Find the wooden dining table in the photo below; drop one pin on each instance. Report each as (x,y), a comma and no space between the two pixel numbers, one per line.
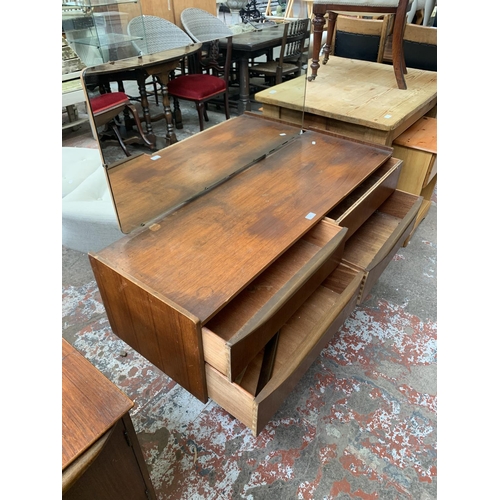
(249,45)
(354,98)
(138,69)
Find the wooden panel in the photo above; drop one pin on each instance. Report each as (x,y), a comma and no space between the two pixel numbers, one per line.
(159,8)
(179,5)
(417,168)
(359,206)
(165,335)
(91,404)
(246,223)
(116,472)
(422,135)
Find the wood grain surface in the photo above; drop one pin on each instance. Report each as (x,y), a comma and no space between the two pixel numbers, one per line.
(91,404)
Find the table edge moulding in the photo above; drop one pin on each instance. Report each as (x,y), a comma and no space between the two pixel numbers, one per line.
(234,293)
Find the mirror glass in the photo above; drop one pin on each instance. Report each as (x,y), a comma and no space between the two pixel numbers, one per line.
(130,61)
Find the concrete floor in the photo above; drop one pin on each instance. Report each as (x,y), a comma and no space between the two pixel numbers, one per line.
(361,424)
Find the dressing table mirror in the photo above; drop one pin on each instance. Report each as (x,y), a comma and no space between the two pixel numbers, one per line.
(153,172)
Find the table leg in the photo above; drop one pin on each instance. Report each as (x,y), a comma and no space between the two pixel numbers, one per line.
(171,138)
(244,102)
(141,83)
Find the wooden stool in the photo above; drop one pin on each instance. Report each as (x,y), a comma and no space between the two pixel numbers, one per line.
(417,147)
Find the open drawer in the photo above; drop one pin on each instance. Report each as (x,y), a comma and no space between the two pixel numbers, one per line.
(246,324)
(373,245)
(301,339)
(356,208)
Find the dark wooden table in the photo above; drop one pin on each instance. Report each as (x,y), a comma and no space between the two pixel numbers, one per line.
(249,45)
(101,457)
(139,69)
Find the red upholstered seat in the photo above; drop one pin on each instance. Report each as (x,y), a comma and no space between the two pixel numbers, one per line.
(207,82)
(105,102)
(195,87)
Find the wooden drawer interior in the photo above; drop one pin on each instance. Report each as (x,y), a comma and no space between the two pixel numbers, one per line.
(356,208)
(300,341)
(246,324)
(374,244)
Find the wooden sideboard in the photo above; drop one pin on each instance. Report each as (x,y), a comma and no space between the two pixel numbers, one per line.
(101,457)
(235,293)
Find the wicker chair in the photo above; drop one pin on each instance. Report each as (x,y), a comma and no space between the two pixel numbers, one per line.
(156,34)
(397,7)
(202,26)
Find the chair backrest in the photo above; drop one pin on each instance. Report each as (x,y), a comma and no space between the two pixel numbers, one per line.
(420,47)
(155,34)
(215,60)
(202,26)
(297,32)
(358,38)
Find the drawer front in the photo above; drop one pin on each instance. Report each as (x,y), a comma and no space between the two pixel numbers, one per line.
(359,205)
(372,247)
(246,325)
(301,340)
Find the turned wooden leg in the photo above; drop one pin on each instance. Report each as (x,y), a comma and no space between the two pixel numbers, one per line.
(177,114)
(318,25)
(171,138)
(332,19)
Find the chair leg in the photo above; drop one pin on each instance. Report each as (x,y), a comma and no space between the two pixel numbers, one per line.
(398,57)
(226,104)
(200,107)
(332,19)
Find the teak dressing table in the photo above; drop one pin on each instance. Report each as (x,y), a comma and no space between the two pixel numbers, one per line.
(235,292)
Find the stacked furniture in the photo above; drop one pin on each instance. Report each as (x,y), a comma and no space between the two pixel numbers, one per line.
(233,293)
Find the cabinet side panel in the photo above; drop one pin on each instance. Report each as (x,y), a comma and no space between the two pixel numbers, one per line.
(166,336)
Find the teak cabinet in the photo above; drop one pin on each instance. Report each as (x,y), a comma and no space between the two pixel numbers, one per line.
(235,293)
(101,456)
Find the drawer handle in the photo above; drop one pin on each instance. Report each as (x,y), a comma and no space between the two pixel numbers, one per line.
(392,240)
(258,330)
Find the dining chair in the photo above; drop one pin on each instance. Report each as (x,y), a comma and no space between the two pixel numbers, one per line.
(420,47)
(397,7)
(202,26)
(210,82)
(289,63)
(360,38)
(154,34)
(106,108)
